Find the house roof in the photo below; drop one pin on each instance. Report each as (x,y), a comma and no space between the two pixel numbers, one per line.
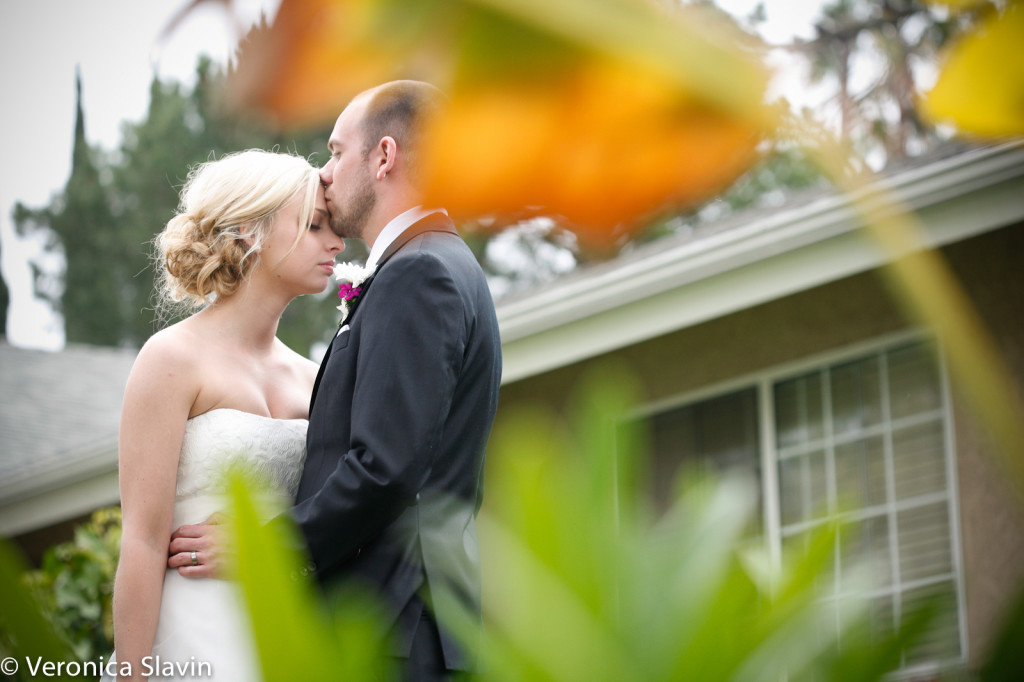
(59,412)
(59,415)
(750,258)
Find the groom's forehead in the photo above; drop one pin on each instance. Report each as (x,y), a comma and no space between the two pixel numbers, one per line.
(348,128)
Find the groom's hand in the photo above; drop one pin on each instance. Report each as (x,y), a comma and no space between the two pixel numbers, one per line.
(199,551)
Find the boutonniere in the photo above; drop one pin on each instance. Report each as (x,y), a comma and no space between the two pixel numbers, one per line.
(350,276)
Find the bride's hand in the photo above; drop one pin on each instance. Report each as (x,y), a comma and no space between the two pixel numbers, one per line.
(199,551)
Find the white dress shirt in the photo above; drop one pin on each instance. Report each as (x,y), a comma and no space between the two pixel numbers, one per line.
(399,224)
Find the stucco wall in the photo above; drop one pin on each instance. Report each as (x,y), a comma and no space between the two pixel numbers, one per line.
(788,329)
(991,507)
(828,318)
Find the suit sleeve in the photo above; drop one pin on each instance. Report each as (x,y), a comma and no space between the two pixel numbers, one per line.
(410,355)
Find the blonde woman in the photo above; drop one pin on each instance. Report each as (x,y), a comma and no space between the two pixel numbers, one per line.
(216,388)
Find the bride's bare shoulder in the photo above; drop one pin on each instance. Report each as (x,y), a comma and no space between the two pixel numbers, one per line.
(167,373)
(178,345)
(296,362)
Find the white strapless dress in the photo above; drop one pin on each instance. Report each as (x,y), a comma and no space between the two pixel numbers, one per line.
(204,620)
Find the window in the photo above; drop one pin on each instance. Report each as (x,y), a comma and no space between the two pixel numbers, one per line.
(865,437)
(717,434)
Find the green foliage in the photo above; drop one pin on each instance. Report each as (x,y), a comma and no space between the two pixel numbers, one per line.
(96,276)
(296,638)
(782,169)
(1004,663)
(5,301)
(586,582)
(75,584)
(25,632)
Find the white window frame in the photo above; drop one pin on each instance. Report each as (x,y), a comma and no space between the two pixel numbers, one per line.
(764,381)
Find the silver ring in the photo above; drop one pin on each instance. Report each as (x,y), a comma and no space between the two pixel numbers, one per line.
(195,560)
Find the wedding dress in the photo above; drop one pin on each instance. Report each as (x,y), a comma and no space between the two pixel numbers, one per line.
(202,627)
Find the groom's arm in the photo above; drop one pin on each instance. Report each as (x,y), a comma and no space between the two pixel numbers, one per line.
(410,356)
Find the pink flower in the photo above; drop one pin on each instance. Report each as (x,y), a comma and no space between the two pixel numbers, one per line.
(350,275)
(347,292)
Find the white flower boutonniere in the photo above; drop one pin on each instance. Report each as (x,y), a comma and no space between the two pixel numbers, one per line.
(350,276)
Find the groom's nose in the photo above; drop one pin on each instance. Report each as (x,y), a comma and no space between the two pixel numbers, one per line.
(325,174)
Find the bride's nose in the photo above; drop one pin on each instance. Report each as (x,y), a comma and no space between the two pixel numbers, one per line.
(336,244)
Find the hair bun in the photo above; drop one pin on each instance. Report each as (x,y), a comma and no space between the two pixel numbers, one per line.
(201,254)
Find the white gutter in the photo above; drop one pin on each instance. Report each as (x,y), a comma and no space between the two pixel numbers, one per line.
(774,256)
(41,499)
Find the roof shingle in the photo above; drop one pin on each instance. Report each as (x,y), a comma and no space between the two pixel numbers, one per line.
(59,410)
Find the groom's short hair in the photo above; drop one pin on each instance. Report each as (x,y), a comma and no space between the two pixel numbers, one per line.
(398,109)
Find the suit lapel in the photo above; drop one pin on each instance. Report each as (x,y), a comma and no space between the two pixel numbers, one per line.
(320,373)
(435,222)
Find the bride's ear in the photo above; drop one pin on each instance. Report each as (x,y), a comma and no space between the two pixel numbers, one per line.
(246,234)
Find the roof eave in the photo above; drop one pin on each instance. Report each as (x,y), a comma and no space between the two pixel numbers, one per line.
(774,256)
(46,497)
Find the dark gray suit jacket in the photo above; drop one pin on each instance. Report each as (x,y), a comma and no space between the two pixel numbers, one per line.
(398,423)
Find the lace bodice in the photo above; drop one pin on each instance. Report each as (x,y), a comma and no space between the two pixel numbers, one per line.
(274,450)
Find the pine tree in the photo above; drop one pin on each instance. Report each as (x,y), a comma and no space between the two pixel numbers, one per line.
(94,292)
(5,301)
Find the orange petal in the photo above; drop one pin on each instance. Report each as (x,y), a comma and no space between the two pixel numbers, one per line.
(604,148)
(311,62)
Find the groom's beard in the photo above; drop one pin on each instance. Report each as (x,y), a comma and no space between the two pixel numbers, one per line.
(348,222)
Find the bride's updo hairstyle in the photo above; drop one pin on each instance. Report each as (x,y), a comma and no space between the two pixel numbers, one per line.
(226,212)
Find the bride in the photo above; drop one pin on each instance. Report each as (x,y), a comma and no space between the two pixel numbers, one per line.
(251,234)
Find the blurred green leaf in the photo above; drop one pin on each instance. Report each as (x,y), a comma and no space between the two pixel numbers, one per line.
(27,631)
(1004,661)
(577,591)
(297,639)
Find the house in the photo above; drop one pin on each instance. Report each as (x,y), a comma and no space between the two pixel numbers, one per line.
(772,341)
(59,415)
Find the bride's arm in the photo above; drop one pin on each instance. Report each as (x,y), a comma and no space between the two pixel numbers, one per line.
(157,400)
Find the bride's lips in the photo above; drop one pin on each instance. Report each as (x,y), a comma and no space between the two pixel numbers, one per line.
(328,266)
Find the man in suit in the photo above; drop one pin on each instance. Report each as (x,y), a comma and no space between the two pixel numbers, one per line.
(405,397)
(407,392)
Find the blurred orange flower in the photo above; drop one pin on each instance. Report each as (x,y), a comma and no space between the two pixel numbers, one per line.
(604,147)
(602,112)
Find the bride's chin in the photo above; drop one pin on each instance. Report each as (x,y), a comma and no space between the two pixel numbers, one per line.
(311,290)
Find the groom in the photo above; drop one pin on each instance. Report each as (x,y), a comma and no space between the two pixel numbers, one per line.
(406,394)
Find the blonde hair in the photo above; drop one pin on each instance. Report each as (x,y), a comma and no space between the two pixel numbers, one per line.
(226,212)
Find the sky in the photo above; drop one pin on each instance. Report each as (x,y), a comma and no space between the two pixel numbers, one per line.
(114,42)
(115,45)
